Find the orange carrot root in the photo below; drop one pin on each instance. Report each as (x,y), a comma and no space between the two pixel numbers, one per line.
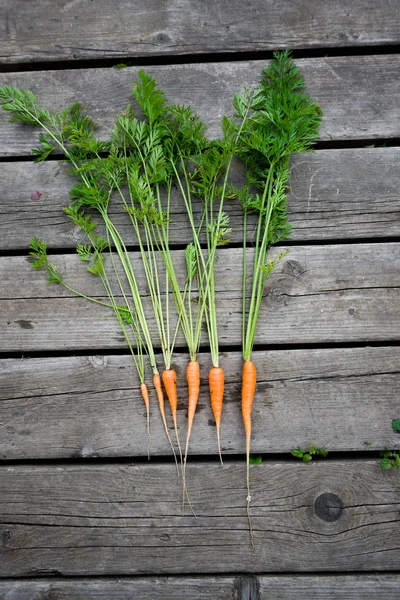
(169,381)
(160,397)
(193,381)
(216,380)
(145,396)
(249,381)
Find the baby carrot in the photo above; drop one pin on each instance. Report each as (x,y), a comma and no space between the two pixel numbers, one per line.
(169,381)
(145,395)
(193,381)
(216,380)
(249,380)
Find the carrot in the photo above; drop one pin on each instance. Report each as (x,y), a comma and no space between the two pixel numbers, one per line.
(216,381)
(193,381)
(145,395)
(249,381)
(160,397)
(169,381)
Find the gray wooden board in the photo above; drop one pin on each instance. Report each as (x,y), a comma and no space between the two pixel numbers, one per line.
(114,519)
(90,406)
(69,30)
(335,194)
(317,294)
(358,94)
(316,587)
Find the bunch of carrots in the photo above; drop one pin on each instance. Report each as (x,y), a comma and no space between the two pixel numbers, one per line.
(140,164)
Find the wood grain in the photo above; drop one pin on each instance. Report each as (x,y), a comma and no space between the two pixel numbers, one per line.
(335,194)
(113,519)
(317,294)
(71,30)
(358,94)
(317,587)
(90,406)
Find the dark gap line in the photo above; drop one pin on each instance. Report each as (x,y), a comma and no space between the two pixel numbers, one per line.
(55,577)
(234,245)
(198,58)
(360,143)
(34,354)
(272,457)
(391,142)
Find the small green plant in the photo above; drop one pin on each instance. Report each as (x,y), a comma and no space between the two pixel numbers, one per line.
(396,425)
(255,460)
(389,460)
(307,455)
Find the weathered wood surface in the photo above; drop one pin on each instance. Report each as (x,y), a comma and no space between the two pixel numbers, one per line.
(114,519)
(90,406)
(74,29)
(335,194)
(358,94)
(317,294)
(318,587)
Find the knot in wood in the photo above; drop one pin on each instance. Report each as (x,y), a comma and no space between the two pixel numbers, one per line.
(293,267)
(5,536)
(328,507)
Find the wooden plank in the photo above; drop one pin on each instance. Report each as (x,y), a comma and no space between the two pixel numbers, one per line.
(357,94)
(150,588)
(89,406)
(334,587)
(317,294)
(335,194)
(71,30)
(317,587)
(114,519)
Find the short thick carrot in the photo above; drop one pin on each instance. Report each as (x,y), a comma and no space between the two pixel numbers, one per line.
(145,395)
(216,379)
(169,381)
(249,381)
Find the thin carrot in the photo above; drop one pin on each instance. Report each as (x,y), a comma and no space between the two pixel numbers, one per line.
(169,381)
(249,381)
(160,397)
(145,395)
(193,381)
(216,380)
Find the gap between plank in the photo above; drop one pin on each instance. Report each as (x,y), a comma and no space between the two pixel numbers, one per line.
(199,58)
(273,457)
(203,350)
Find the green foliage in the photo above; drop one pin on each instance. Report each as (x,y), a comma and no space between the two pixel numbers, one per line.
(39,254)
(282,121)
(255,460)
(23,106)
(149,97)
(79,218)
(191,261)
(307,455)
(396,425)
(390,460)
